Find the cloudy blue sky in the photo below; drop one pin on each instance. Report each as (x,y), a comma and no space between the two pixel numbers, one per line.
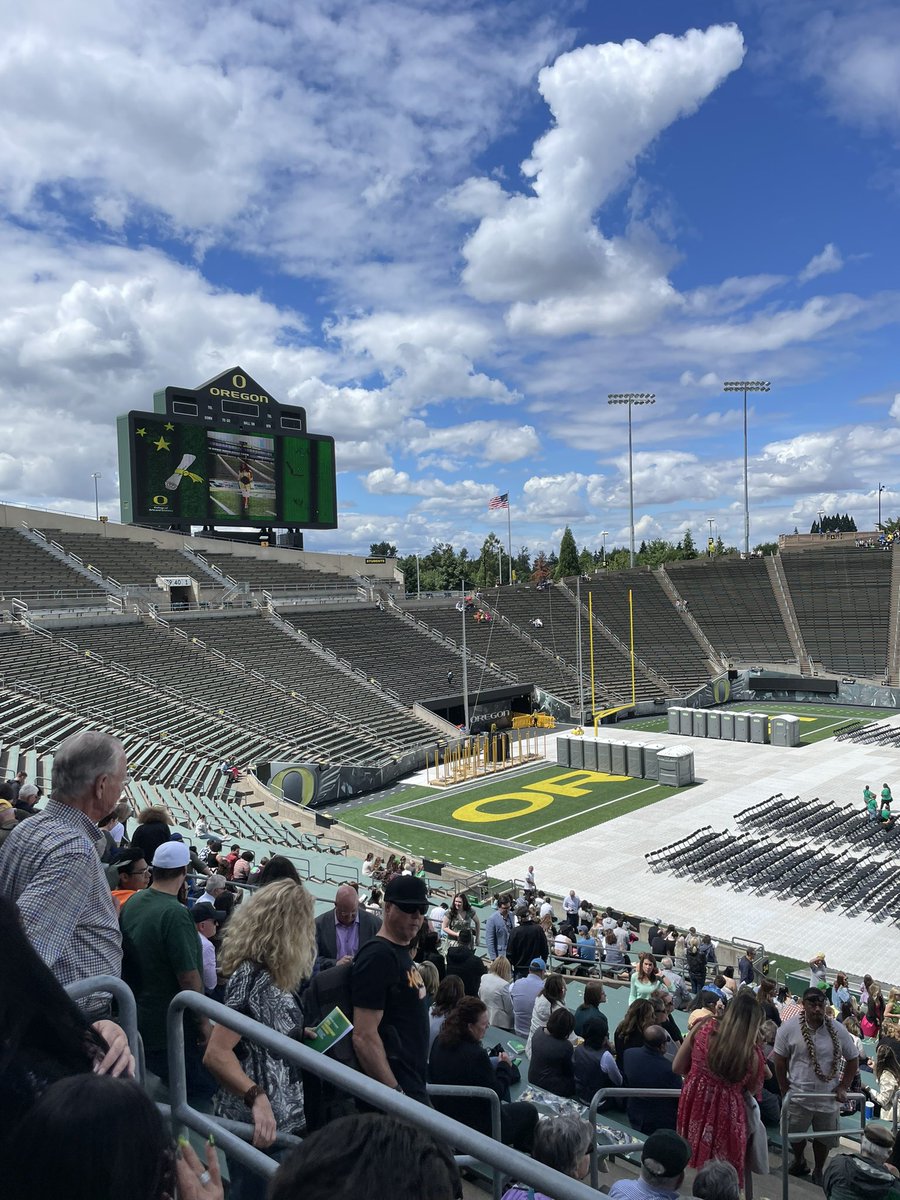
(449,230)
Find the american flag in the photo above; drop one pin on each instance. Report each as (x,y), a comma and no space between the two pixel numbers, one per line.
(498,502)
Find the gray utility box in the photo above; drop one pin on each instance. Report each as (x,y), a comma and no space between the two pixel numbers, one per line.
(604,757)
(686,722)
(713,724)
(619,765)
(726,726)
(564,751)
(786,730)
(576,752)
(699,727)
(651,761)
(676,766)
(674,719)
(742,727)
(634,759)
(590,754)
(759,728)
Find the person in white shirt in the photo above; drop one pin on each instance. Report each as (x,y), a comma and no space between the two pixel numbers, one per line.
(436,918)
(206,918)
(571,904)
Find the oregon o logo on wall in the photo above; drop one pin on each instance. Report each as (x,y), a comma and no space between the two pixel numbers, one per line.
(160,501)
(721,689)
(295,783)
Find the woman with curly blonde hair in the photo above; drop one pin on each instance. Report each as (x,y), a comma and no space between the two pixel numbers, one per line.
(269,946)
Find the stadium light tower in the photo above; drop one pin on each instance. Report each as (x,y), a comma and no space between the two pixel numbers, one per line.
(745,386)
(604,534)
(630,398)
(95,475)
(880,490)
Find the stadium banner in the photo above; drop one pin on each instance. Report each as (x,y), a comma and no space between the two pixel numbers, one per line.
(751,685)
(546,702)
(314,785)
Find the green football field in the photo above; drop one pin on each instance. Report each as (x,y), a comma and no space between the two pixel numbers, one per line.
(482,823)
(817,721)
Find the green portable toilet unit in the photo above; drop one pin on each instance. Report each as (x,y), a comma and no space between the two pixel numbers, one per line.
(699,722)
(686,722)
(674,719)
(713,720)
(726,726)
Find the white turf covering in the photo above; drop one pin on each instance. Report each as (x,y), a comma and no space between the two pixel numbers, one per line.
(734,776)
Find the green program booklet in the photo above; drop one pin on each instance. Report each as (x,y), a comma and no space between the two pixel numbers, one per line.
(330,1031)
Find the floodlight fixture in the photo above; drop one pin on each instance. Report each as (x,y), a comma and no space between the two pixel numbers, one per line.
(630,398)
(745,386)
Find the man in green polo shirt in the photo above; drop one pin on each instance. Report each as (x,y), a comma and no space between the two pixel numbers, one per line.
(163,956)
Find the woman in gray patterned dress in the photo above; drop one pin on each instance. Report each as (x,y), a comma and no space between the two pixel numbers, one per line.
(268,948)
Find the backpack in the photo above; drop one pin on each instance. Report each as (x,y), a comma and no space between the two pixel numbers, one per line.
(323,1101)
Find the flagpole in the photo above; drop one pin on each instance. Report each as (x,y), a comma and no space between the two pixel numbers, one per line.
(509,538)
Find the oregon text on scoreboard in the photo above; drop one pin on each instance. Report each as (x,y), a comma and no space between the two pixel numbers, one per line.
(225,453)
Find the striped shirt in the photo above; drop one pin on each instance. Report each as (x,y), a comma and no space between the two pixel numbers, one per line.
(50,868)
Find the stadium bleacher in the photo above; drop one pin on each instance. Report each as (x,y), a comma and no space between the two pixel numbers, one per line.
(122,559)
(389,649)
(555,609)
(842,598)
(29,573)
(662,639)
(733,602)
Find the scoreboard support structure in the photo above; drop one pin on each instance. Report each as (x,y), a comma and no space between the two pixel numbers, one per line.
(224,456)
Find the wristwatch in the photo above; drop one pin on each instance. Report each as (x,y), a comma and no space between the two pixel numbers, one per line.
(251,1094)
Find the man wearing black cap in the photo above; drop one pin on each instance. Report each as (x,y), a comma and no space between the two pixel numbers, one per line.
(207,919)
(390,1020)
(663,1159)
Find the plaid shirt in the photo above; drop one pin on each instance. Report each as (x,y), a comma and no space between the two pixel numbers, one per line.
(50,867)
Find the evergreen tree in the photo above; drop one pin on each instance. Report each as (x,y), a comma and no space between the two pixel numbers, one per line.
(568,555)
(688,549)
(587,562)
(541,568)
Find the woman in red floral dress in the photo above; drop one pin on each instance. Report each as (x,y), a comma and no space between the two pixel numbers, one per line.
(720,1060)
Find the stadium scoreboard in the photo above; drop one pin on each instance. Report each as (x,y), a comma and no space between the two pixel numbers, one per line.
(225,453)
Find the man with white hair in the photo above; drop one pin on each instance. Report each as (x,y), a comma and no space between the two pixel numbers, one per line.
(50,864)
(866,1174)
(26,800)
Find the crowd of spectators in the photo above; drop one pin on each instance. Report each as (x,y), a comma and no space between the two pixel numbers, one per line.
(82,896)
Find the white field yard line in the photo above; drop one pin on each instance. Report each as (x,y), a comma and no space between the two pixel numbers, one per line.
(629,796)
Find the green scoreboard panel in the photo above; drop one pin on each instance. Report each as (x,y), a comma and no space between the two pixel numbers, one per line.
(225,454)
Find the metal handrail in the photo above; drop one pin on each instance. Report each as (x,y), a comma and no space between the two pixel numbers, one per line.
(485,1149)
(604,1150)
(126,1015)
(810,1135)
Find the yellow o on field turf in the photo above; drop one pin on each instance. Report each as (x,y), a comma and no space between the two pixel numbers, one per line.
(531,802)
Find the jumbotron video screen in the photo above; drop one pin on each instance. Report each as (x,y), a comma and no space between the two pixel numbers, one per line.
(193,474)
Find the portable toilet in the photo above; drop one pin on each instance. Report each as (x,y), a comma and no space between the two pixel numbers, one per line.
(759,728)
